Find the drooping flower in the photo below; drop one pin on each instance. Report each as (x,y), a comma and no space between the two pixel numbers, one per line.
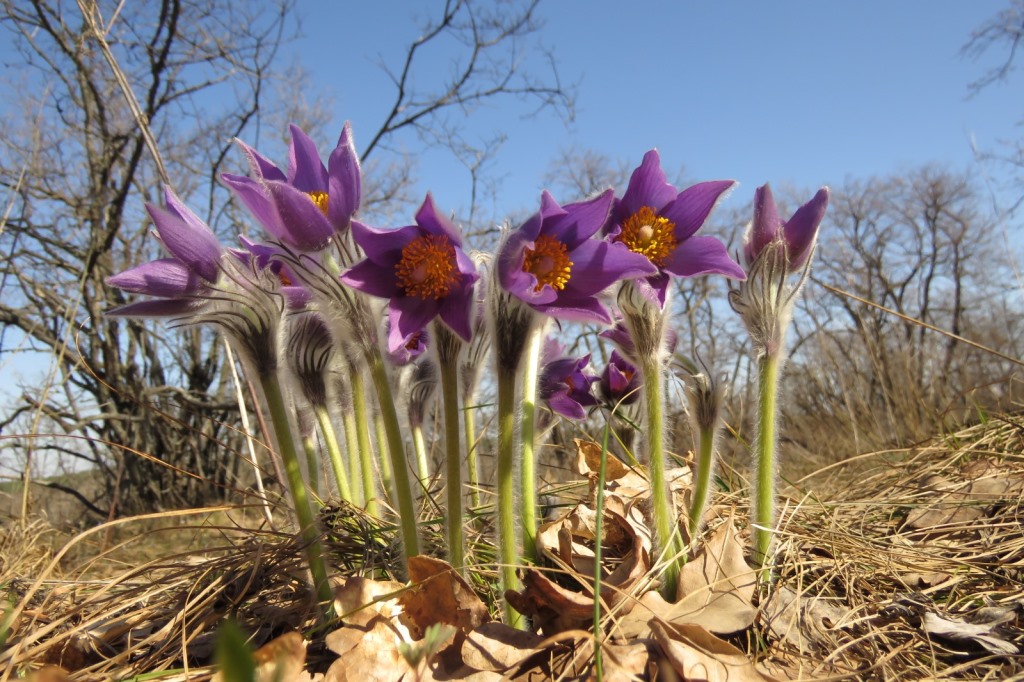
(553,264)
(799,232)
(620,381)
(422,269)
(656,221)
(563,385)
(177,282)
(307,205)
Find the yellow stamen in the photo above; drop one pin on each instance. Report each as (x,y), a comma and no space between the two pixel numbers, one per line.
(549,262)
(428,268)
(647,233)
(320,199)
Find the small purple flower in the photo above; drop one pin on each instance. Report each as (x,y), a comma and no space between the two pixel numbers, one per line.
(799,232)
(619,335)
(564,386)
(415,347)
(306,206)
(552,264)
(194,268)
(620,381)
(654,220)
(422,269)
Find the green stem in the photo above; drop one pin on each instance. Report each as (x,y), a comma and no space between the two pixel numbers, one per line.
(528,471)
(419,446)
(383,453)
(705,463)
(362,421)
(764,456)
(602,473)
(333,452)
(472,465)
(453,454)
(396,448)
(313,467)
(508,555)
(666,535)
(348,424)
(307,525)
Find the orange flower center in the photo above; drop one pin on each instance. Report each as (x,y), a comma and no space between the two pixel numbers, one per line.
(320,199)
(549,262)
(647,233)
(427,268)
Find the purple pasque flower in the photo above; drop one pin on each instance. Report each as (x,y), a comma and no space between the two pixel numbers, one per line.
(194,267)
(620,335)
(422,269)
(654,220)
(799,232)
(553,264)
(563,385)
(307,205)
(620,381)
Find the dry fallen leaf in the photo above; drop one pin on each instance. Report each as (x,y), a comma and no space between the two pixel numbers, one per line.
(716,591)
(698,656)
(807,622)
(367,653)
(496,647)
(440,595)
(984,635)
(282,659)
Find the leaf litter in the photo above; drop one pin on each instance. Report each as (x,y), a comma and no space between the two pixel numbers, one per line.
(916,573)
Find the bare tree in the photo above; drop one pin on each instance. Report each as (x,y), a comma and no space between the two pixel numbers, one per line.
(1003,33)
(906,249)
(151,411)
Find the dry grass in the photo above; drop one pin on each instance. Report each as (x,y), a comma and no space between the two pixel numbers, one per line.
(867,562)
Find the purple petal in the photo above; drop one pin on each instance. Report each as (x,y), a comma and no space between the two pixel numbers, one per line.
(161,307)
(648,186)
(408,315)
(166,277)
(598,264)
(344,181)
(434,223)
(654,288)
(296,297)
(703,256)
(766,223)
(305,169)
(187,237)
(802,229)
(576,309)
(305,225)
(373,279)
(514,279)
(261,166)
(457,309)
(583,219)
(562,404)
(256,198)
(693,205)
(384,247)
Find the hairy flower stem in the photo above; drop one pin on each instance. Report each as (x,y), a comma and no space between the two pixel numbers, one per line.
(527,436)
(323,418)
(472,465)
(396,449)
(419,448)
(362,424)
(508,555)
(667,538)
(764,455)
(705,464)
(602,473)
(448,346)
(383,454)
(300,501)
(313,467)
(348,425)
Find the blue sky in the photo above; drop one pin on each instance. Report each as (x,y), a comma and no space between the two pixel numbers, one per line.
(798,92)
